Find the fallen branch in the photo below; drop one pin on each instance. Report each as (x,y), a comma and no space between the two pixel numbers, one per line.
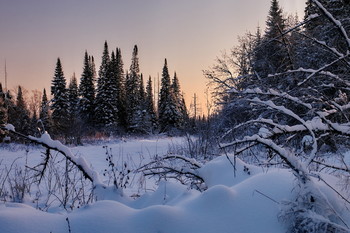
(46,141)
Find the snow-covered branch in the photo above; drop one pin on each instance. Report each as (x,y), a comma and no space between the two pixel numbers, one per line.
(176,167)
(314,72)
(288,157)
(290,113)
(273,92)
(329,48)
(46,141)
(336,22)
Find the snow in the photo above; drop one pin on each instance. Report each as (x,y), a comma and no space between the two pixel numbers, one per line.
(10,127)
(226,170)
(240,197)
(79,161)
(307,140)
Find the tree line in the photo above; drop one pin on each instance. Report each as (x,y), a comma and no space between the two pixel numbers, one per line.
(112,101)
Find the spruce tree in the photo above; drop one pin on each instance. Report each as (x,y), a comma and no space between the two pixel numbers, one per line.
(103,116)
(142,92)
(75,125)
(111,91)
(20,115)
(133,92)
(34,123)
(311,9)
(272,53)
(121,90)
(87,92)
(151,117)
(59,101)
(141,119)
(275,23)
(44,112)
(184,112)
(3,113)
(73,99)
(169,115)
(180,101)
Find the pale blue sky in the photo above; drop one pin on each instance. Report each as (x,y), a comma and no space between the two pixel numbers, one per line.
(189,33)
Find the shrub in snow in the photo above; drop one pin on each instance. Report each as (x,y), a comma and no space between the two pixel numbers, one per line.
(176,167)
(313,213)
(291,114)
(119,175)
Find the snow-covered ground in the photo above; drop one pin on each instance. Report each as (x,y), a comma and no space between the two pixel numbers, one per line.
(245,200)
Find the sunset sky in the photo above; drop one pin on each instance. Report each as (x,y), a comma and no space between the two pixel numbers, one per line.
(189,33)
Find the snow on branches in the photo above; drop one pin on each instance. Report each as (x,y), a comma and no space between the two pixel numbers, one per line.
(294,114)
(46,141)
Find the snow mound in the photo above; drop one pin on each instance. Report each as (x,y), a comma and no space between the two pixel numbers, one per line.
(227,170)
(240,198)
(171,208)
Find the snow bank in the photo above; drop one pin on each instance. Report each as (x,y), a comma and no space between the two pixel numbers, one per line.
(227,170)
(245,204)
(241,198)
(219,209)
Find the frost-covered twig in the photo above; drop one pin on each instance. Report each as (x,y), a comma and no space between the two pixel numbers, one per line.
(336,191)
(345,169)
(270,198)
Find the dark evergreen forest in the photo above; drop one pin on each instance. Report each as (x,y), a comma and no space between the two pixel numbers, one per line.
(109,102)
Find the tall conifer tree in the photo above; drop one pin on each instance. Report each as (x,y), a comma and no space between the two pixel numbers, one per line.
(271,55)
(121,91)
(59,101)
(169,116)
(73,98)
(151,117)
(3,111)
(19,114)
(44,112)
(75,125)
(180,101)
(102,107)
(87,92)
(133,91)
(111,91)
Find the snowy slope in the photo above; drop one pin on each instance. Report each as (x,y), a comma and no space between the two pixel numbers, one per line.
(245,200)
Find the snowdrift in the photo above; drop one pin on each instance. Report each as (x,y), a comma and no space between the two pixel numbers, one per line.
(241,200)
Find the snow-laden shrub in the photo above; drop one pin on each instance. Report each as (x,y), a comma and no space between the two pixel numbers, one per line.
(311,214)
